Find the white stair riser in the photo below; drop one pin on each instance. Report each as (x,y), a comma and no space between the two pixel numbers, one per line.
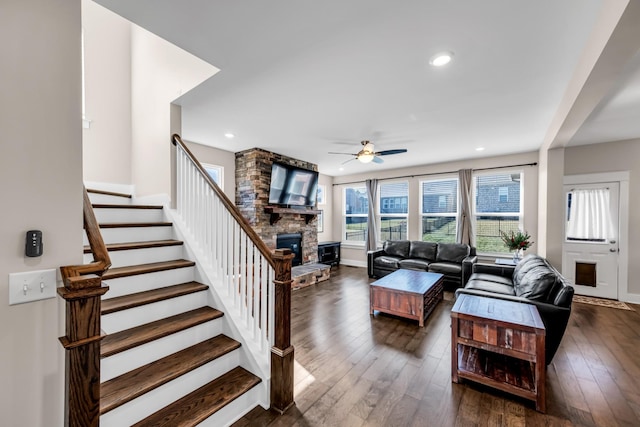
(145,282)
(118,364)
(133,234)
(126,319)
(119,215)
(104,199)
(141,256)
(234,410)
(162,396)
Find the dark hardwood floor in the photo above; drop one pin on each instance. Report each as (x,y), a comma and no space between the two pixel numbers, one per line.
(353,369)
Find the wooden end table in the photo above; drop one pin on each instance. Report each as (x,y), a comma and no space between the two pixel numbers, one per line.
(407,293)
(500,344)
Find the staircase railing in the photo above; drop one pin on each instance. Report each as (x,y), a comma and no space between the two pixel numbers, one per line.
(82,291)
(256,282)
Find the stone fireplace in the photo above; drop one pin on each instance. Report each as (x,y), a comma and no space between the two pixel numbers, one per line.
(253,176)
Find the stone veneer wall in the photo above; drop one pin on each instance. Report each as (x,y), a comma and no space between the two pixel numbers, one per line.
(253,176)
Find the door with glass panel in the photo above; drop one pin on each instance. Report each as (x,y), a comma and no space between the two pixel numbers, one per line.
(590,249)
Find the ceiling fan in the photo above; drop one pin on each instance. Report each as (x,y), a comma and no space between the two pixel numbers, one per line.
(369,154)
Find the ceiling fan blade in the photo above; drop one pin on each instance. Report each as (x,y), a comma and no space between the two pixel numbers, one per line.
(387,152)
(348,161)
(348,154)
(377,159)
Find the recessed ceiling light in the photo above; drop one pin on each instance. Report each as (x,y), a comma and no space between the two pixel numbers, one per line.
(440,59)
(229,135)
(480,149)
(341,168)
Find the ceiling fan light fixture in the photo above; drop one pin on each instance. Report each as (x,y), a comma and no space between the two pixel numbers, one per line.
(366,157)
(441,58)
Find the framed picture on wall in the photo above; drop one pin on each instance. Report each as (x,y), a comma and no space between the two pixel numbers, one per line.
(320,222)
(321,194)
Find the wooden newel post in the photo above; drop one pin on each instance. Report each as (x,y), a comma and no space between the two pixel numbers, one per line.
(82,344)
(282,350)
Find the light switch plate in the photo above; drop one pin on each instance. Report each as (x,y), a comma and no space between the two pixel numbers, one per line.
(31,286)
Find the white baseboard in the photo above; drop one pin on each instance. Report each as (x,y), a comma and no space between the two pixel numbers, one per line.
(353,263)
(628,297)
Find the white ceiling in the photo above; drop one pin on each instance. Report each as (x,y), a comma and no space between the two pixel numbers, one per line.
(302,78)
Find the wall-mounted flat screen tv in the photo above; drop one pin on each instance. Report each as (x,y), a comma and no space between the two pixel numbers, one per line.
(292,186)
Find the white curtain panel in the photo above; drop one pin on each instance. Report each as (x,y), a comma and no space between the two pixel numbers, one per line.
(589,215)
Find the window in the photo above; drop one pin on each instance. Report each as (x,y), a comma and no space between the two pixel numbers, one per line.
(439,208)
(356,208)
(497,208)
(216,173)
(503,194)
(394,201)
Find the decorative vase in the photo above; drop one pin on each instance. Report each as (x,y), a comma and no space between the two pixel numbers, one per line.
(517,255)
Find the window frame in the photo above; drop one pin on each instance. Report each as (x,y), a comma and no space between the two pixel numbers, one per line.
(345,215)
(475,214)
(220,169)
(438,214)
(390,205)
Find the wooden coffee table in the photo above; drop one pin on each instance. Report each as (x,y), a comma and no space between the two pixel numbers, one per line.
(407,293)
(499,343)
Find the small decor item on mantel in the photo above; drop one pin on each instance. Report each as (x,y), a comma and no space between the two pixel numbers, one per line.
(516,241)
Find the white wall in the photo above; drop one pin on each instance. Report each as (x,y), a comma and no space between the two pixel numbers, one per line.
(355,255)
(107,69)
(327,234)
(614,157)
(131,78)
(41,188)
(160,73)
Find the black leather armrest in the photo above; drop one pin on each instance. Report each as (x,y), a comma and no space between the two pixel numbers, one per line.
(467,267)
(498,270)
(371,255)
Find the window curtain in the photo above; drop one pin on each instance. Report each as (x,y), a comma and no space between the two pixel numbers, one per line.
(371,240)
(465,233)
(589,215)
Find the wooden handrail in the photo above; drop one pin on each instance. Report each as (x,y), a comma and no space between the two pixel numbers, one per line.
(101,261)
(231,207)
(82,292)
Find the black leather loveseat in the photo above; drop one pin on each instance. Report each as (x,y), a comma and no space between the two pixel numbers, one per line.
(453,260)
(533,281)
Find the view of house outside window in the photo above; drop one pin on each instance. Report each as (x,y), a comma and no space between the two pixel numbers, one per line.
(356,207)
(497,208)
(439,207)
(393,210)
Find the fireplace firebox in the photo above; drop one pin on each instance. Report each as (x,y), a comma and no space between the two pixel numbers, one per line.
(291,241)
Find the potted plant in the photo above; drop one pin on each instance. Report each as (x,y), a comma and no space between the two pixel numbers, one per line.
(516,241)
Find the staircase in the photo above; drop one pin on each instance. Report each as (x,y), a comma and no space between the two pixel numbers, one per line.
(166,358)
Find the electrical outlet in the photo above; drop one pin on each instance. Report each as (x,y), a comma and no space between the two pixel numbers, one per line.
(32,286)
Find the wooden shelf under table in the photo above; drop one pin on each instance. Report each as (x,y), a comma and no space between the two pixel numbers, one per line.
(501,344)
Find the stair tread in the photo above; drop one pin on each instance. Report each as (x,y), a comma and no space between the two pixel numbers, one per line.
(135,224)
(112,247)
(198,405)
(137,299)
(108,193)
(128,386)
(132,270)
(129,338)
(124,206)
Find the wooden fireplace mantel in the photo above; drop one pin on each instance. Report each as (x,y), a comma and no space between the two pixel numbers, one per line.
(276,213)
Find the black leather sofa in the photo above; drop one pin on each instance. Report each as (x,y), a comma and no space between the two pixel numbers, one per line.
(453,260)
(533,281)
